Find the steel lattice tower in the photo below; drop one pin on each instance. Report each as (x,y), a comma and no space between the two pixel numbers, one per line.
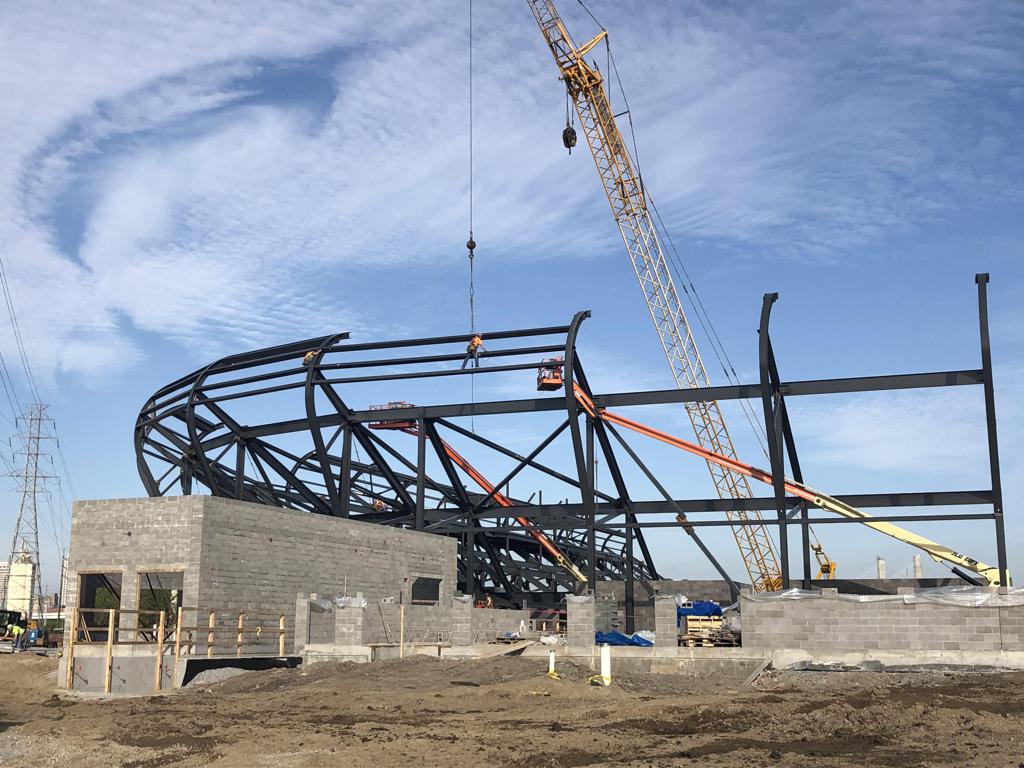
(32,485)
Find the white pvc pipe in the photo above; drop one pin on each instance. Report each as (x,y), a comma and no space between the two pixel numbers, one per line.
(551,662)
(606,664)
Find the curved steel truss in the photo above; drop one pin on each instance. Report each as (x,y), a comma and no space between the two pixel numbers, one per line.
(207,433)
(210,432)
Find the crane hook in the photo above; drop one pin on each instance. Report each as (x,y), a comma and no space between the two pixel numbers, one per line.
(569,137)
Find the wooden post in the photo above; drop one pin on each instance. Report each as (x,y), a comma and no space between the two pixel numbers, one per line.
(110,650)
(71,620)
(209,635)
(177,648)
(401,631)
(158,682)
(241,634)
(280,636)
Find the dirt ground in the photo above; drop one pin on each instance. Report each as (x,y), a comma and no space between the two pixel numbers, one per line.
(505,712)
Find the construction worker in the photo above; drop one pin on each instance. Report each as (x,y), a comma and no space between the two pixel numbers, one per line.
(473,349)
(310,356)
(16,632)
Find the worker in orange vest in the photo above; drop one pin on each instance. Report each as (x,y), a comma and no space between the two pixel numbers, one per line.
(473,349)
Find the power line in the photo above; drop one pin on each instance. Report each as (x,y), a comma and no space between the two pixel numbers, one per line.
(10,390)
(5,284)
(64,464)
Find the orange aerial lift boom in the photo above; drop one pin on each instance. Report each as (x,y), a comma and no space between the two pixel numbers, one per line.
(554,552)
(626,195)
(503,501)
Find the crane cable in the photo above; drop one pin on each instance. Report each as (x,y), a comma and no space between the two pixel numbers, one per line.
(471,243)
(676,261)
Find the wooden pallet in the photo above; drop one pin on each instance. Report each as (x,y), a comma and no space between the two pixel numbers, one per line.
(702,625)
(708,641)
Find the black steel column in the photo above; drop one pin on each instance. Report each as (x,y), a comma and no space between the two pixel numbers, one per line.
(794,460)
(630,582)
(600,430)
(774,432)
(421,471)
(583,465)
(990,419)
(239,468)
(470,560)
(345,486)
(588,504)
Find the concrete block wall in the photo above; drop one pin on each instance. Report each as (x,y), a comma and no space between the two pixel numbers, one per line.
(237,555)
(580,621)
(1011,627)
(258,555)
(348,625)
(133,536)
(609,616)
(666,627)
(462,620)
(487,623)
(831,624)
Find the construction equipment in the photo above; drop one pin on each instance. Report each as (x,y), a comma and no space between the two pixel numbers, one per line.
(549,376)
(622,185)
(826,567)
(399,424)
(937,552)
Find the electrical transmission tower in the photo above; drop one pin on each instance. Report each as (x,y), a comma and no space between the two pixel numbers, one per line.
(32,479)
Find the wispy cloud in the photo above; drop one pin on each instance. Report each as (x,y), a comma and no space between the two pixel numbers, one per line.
(225,176)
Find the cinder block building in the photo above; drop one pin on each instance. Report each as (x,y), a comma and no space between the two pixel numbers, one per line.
(212,554)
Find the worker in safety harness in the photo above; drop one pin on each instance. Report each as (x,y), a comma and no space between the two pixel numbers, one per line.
(473,349)
(17,633)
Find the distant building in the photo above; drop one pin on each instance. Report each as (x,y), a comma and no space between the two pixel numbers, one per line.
(16,580)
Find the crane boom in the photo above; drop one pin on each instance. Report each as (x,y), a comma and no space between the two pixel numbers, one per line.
(629,207)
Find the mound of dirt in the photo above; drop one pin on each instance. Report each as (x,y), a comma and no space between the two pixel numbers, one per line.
(428,712)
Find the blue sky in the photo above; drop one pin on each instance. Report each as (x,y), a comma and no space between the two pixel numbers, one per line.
(180,182)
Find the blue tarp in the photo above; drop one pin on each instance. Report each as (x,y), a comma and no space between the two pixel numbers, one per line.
(699,608)
(617,638)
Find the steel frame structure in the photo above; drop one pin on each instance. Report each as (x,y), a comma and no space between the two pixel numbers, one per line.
(186,438)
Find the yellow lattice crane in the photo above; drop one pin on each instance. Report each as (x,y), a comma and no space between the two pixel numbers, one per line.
(621,181)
